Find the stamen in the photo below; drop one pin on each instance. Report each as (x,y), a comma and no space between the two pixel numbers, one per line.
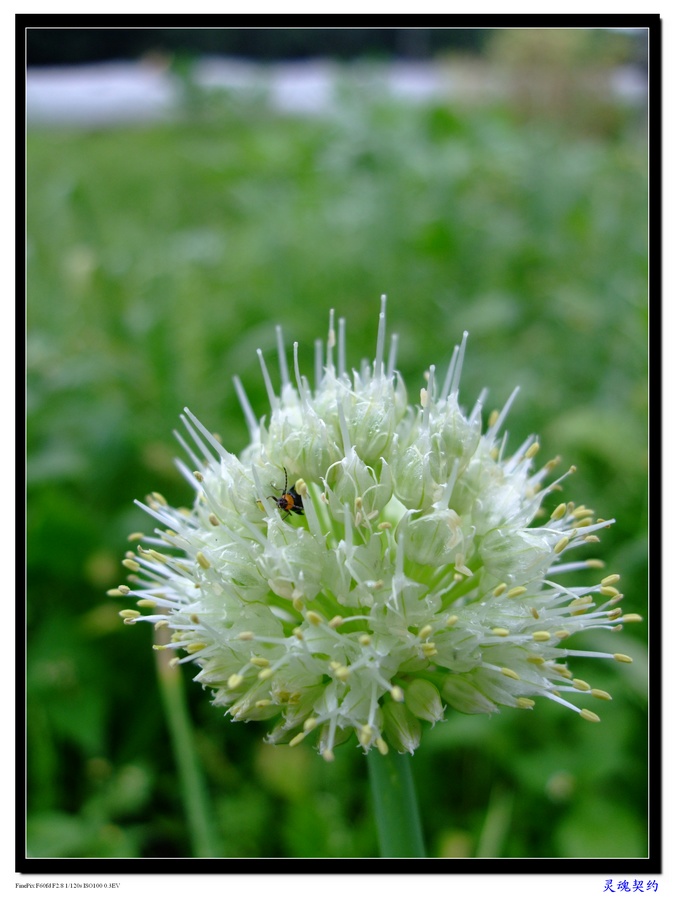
(281,351)
(271,396)
(501,417)
(393,349)
(318,363)
(342,348)
(379,355)
(249,415)
(330,343)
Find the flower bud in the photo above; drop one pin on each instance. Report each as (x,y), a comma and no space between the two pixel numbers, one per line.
(423,700)
(401,728)
(464,697)
(433,538)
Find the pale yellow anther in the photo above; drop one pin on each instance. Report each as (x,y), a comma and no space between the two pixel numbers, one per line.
(129,613)
(296,740)
(336,621)
(581,685)
(135,536)
(358,518)
(124,589)
(310,724)
(632,617)
(582,511)
(451,620)
(364,640)
(314,618)
(159,498)
(381,745)
(536,660)
(342,672)
(535,614)
(595,564)
(132,565)
(592,539)
(365,735)
(328,755)
(260,661)
(157,556)
(589,716)
(559,511)
(516,592)
(146,603)
(608,591)
(562,543)
(424,397)
(396,693)
(116,592)
(532,451)
(499,589)
(425,632)
(198,476)
(195,647)
(261,704)
(298,633)
(492,418)
(500,632)
(245,636)
(614,613)
(298,605)
(164,623)
(203,561)
(601,695)
(234,681)
(524,702)
(174,662)
(264,674)
(194,618)
(561,634)
(509,673)
(541,636)
(429,649)
(621,657)
(582,523)
(384,526)
(214,520)
(561,670)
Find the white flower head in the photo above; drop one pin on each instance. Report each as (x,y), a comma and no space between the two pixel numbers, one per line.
(364,561)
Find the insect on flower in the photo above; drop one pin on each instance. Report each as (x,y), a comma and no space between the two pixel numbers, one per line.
(290,501)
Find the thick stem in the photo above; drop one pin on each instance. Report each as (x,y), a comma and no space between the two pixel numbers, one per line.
(200,821)
(396,813)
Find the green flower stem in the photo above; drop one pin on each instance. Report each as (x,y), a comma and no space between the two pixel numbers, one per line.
(205,842)
(396,813)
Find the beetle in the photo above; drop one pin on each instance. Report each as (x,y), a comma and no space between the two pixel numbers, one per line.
(290,501)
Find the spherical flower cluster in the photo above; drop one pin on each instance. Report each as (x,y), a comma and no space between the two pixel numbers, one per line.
(364,561)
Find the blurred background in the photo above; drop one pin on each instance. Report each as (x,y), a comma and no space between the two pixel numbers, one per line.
(189,189)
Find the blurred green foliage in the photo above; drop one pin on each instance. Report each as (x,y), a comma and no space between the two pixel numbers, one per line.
(159,259)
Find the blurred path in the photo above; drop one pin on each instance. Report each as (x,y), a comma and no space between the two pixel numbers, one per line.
(113,93)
